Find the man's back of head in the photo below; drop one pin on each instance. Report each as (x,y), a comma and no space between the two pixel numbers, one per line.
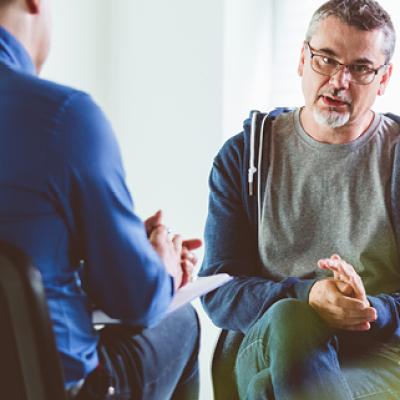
(30,22)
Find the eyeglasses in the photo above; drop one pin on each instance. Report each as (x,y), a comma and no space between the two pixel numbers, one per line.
(360,73)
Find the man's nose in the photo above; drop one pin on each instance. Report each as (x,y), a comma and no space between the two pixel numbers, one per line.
(341,79)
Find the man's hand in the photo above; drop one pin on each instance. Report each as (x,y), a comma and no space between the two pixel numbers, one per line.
(331,299)
(342,301)
(161,240)
(345,272)
(169,251)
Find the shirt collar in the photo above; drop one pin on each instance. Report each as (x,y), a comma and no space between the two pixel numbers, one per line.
(13,54)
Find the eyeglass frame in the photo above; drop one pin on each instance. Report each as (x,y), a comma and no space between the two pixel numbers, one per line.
(340,66)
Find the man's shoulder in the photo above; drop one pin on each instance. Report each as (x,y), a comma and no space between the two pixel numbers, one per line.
(393,118)
(390,125)
(38,91)
(242,140)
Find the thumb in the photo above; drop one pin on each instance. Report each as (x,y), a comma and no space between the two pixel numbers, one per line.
(153,221)
(177,242)
(192,244)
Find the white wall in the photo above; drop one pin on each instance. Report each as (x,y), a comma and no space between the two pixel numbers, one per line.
(165,72)
(247,51)
(78,54)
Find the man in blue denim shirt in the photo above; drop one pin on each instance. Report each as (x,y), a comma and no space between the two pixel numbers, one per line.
(64,201)
(313,239)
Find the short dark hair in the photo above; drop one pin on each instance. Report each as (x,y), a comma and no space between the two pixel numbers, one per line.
(366,15)
(5,2)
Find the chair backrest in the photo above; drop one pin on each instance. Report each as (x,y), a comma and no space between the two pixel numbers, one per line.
(29,363)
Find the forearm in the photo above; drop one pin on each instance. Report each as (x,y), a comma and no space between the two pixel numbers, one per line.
(238,304)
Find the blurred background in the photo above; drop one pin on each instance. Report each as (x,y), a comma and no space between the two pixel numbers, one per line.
(176,78)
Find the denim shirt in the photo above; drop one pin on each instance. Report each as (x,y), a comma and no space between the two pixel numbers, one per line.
(231,243)
(64,201)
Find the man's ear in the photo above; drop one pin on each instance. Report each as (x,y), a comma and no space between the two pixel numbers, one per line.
(385,80)
(33,6)
(300,67)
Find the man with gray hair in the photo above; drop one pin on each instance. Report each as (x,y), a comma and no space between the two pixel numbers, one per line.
(312,239)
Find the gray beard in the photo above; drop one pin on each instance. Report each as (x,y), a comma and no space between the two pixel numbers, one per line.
(331,119)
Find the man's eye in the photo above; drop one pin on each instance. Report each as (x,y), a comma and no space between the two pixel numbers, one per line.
(328,61)
(360,68)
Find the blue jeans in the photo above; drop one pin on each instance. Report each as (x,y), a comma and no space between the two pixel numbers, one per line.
(291,353)
(158,363)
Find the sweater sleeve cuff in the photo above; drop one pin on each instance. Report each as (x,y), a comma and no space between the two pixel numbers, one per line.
(302,289)
(384,315)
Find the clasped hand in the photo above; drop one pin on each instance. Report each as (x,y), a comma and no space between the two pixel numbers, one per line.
(176,254)
(342,301)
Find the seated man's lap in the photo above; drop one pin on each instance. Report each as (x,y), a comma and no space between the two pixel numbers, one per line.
(151,364)
(371,369)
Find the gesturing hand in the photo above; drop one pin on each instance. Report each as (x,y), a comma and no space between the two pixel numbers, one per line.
(345,272)
(342,301)
(328,297)
(176,254)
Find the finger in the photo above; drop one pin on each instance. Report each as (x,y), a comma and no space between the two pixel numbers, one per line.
(355,313)
(337,298)
(339,268)
(355,278)
(336,276)
(334,317)
(185,279)
(185,252)
(351,276)
(153,221)
(364,326)
(188,254)
(192,244)
(323,264)
(158,234)
(193,259)
(187,266)
(177,242)
(342,318)
(187,271)
(351,317)
(346,302)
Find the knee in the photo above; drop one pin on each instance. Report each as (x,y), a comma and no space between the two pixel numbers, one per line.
(289,312)
(186,322)
(290,319)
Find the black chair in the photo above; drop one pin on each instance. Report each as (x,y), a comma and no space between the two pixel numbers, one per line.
(223,365)
(29,363)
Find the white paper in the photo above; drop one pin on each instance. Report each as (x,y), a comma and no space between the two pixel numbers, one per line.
(200,286)
(189,292)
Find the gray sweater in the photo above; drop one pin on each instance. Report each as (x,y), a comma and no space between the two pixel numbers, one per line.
(322,199)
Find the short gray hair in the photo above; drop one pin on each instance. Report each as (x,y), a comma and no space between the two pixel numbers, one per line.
(366,15)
